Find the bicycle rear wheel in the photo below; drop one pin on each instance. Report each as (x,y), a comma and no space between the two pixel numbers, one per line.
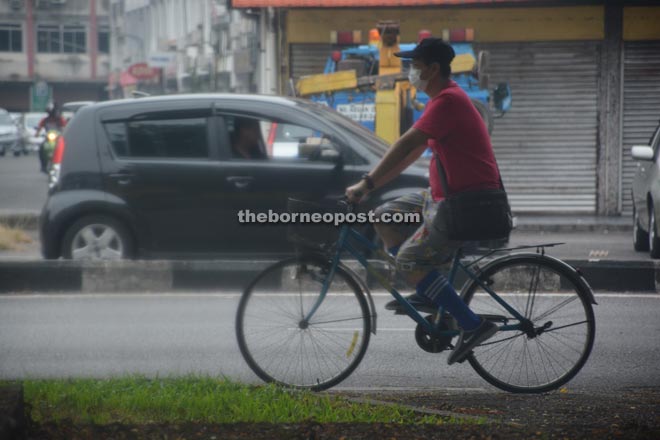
(557,343)
(281,347)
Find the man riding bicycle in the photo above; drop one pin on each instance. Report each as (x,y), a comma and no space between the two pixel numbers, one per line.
(453,128)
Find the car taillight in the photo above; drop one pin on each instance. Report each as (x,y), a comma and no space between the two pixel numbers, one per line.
(55,168)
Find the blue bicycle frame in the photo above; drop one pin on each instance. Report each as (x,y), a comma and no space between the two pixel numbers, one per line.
(347,233)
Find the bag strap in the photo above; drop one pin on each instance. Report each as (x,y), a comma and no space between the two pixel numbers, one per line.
(443,175)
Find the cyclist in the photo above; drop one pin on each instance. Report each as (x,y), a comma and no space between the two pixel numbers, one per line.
(452,127)
(53,121)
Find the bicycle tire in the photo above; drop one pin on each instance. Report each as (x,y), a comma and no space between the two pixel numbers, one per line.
(327,350)
(569,335)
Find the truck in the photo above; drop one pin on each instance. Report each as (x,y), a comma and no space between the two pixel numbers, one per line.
(370,85)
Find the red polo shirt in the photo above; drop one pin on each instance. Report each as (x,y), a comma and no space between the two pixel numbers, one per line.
(460,138)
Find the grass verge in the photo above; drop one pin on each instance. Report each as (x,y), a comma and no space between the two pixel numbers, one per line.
(11,238)
(138,400)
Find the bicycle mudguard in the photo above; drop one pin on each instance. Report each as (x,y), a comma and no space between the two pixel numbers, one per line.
(324,259)
(563,265)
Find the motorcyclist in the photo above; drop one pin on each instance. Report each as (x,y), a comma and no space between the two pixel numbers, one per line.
(54,121)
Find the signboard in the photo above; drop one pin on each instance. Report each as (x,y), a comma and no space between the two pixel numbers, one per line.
(142,71)
(358,112)
(40,96)
(160,59)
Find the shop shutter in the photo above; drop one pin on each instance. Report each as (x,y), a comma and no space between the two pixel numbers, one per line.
(641,106)
(546,144)
(308,59)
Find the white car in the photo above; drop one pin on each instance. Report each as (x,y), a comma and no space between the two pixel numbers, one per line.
(10,137)
(29,125)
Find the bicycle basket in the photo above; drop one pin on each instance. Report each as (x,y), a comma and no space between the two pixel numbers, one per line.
(306,233)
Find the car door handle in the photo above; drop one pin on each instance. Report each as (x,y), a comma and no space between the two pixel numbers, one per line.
(122,178)
(240,182)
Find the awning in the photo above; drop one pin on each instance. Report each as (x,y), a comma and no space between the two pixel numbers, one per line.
(364,3)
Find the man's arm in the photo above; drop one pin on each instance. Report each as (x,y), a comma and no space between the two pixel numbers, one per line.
(412,157)
(40,127)
(402,153)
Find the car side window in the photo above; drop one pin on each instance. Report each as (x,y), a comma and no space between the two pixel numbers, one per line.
(182,138)
(246,137)
(260,138)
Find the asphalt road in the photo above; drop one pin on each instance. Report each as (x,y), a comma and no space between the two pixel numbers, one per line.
(67,335)
(22,186)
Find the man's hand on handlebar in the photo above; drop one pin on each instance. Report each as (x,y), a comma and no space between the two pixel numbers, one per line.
(355,193)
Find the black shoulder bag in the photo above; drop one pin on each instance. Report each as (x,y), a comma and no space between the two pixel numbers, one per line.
(476,215)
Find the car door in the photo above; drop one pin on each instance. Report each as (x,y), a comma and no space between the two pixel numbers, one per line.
(646,177)
(164,168)
(311,165)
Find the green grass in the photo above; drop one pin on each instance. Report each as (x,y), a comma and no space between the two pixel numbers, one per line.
(198,399)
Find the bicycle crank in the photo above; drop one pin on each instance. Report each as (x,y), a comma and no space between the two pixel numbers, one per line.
(432,343)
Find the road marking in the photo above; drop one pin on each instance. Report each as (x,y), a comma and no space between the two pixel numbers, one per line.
(597,254)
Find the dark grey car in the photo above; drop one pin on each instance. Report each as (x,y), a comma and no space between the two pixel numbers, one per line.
(646,196)
(156,177)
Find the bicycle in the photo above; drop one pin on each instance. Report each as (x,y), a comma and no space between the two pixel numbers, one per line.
(306,321)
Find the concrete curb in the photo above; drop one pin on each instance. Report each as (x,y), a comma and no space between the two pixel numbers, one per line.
(168,276)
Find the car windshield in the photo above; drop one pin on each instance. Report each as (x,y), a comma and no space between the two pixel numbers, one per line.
(5,119)
(376,145)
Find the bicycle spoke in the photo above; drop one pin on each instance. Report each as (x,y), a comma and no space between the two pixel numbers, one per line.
(280,346)
(357,318)
(555,308)
(555,345)
(561,327)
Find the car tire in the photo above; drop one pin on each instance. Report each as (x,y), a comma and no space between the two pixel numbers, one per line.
(97,237)
(654,241)
(640,236)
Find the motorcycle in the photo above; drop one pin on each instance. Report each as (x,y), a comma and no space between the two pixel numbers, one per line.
(47,150)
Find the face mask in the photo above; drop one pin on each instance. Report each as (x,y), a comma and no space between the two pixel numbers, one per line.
(414,76)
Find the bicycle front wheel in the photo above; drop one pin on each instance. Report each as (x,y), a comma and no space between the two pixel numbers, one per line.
(557,338)
(277,341)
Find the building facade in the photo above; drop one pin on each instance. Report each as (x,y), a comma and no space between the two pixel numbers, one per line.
(52,50)
(584,76)
(196,46)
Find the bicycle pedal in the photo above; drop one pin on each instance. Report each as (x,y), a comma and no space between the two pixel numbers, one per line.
(421,309)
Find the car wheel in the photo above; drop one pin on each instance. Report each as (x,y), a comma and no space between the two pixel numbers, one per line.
(640,236)
(97,237)
(654,241)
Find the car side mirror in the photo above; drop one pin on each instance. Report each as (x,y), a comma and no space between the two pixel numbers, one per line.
(642,152)
(502,97)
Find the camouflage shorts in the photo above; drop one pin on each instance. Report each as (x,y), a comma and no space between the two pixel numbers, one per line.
(427,246)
